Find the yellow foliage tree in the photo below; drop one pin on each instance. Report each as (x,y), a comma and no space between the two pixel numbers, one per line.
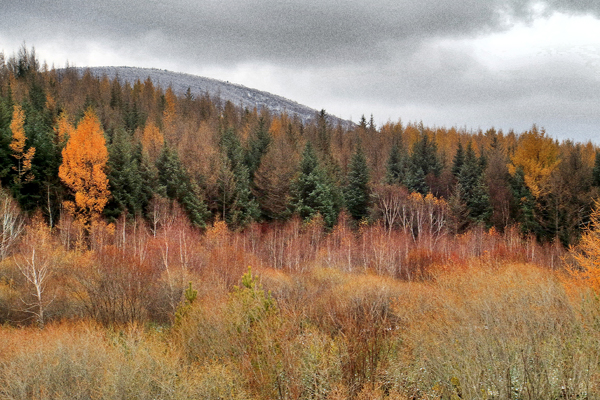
(17,145)
(152,140)
(276,126)
(587,252)
(83,170)
(537,155)
(63,129)
(170,115)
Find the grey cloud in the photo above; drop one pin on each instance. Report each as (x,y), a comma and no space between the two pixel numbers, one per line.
(293,32)
(575,6)
(379,52)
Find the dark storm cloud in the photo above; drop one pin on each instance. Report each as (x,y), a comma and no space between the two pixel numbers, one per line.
(380,52)
(575,6)
(276,31)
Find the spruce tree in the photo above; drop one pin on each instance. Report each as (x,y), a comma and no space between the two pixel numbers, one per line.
(43,177)
(396,166)
(124,178)
(596,171)
(458,160)
(423,161)
(323,133)
(472,182)
(415,179)
(313,191)
(237,201)
(459,211)
(148,173)
(176,184)
(258,144)
(357,191)
(523,204)
(6,111)
(272,183)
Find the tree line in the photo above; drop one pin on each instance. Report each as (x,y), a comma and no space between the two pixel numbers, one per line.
(96,148)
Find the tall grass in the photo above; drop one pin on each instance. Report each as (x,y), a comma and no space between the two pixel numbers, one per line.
(367,313)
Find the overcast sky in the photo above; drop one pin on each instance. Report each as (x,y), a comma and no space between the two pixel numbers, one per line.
(465,63)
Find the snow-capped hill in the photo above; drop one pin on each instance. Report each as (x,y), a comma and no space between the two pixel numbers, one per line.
(237,94)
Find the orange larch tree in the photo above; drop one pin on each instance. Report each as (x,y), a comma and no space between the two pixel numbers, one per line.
(587,252)
(152,140)
(538,155)
(63,129)
(83,170)
(17,145)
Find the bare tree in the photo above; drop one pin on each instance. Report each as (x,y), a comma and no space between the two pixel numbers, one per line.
(35,263)
(11,223)
(389,201)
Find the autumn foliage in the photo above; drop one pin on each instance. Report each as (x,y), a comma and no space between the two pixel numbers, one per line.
(83,170)
(24,157)
(172,246)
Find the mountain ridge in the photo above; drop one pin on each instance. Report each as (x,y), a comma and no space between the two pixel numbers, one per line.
(236,93)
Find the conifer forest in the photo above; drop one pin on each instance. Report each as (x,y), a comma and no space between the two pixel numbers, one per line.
(175,246)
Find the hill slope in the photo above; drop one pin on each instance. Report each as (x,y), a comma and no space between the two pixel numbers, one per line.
(237,94)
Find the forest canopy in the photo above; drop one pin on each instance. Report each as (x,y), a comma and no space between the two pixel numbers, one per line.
(220,162)
(163,245)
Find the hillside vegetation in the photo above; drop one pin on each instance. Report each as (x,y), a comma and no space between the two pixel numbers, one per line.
(155,245)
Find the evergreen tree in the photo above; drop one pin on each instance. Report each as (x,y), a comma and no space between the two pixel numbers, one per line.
(258,145)
(396,166)
(596,170)
(523,204)
(470,179)
(423,162)
(323,133)
(43,186)
(458,161)
(124,178)
(357,191)
(363,123)
(272,183)
(176,184)
(237,201)
(148,172)
(458,210)
(313,191)
(6,111)
(415,179)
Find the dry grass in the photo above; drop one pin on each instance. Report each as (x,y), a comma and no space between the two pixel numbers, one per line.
(349,314)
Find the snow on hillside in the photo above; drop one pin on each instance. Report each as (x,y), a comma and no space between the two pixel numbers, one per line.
(237,94)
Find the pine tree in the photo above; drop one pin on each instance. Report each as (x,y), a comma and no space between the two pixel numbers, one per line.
(258,144)
(124,178)
(458,161)
(459,211)
(423,162)
(415,179)
(596,170)
(45,189)
(237,201)
(312,190)
(272,183)
(473,186)
(524,204)
(357,191)
(150,185)
(176,184)
(323,133)
(6,111)
(396,166)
